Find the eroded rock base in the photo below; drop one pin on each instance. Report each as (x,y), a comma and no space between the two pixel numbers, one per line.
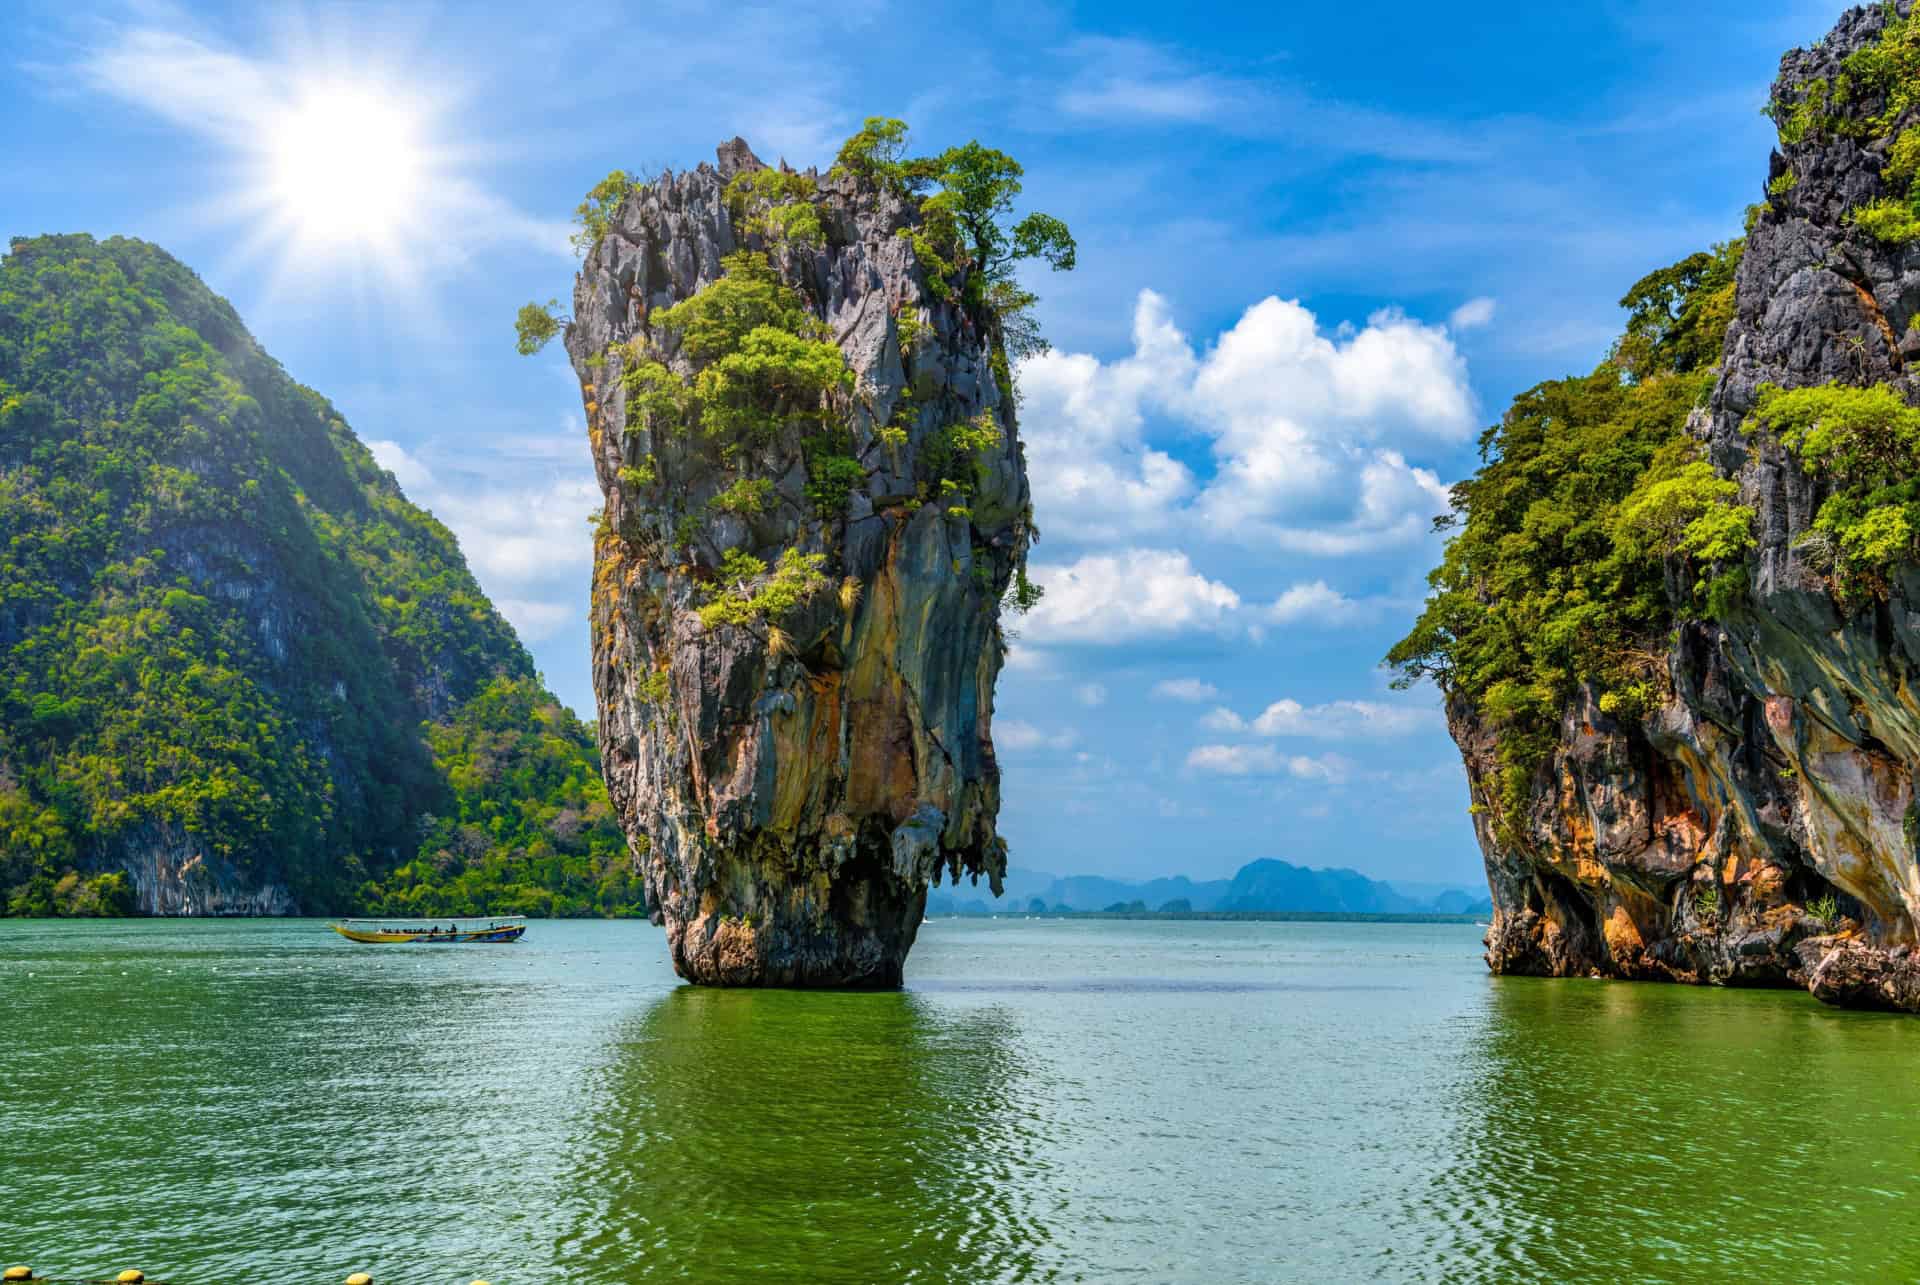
(1837,965)
(850,933)
(1853,974)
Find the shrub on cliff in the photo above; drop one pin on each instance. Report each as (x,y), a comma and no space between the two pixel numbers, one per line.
(596,211)
(745,594)
(877,154)
(1866,443)
(762,363)
(968,239)
(776,205)
(1677,316)
(535,326)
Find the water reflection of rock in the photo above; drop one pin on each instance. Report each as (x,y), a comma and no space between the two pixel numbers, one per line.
(824,1136)
(1634,1132)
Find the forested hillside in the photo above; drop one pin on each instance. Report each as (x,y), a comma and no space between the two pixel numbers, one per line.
(241,672)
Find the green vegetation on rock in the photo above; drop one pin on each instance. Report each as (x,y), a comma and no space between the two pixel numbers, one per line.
(968,241)
(745,595)
(831,482)
(763,362)
(229,638)
(597,210)
(1678,316)
(535,326)
(775,204)
(1866,443)
(745,498)
(1555,577)
(1884,75)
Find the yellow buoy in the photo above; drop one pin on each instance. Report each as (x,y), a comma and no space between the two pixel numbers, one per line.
(132,1276)
(359,1278)
(17,1274)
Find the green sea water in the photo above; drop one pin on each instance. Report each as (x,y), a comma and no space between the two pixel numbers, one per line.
(260,1101)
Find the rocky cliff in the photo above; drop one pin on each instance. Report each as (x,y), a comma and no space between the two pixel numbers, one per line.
(1758,824)
(815,503)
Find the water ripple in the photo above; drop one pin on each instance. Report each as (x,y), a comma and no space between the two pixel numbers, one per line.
(1066,1101)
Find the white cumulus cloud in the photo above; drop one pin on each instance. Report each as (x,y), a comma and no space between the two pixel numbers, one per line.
(1191,690)
(1265,760)
(1395,379)
(1472,314)
(1120,597)
(408,471)
(1082,422)
(1341,720)
(1309,428)
(1317,604)
(536,621)
(1016,736)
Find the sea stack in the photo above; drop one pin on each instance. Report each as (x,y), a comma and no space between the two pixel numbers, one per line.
(815,503)
(1757,824)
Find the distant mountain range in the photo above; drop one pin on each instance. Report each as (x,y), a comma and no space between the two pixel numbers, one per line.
(1267,884)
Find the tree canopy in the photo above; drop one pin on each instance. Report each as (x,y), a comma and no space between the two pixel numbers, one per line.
(1677,316)
(967,199)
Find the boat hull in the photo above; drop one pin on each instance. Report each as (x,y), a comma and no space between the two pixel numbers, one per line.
(486,935)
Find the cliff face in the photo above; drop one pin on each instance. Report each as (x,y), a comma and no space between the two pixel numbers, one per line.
(1694,845)
(800,778)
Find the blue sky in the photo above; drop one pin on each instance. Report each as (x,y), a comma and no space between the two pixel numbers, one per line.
(1320,248)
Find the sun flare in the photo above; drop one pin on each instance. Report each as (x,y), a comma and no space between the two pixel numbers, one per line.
(346,166)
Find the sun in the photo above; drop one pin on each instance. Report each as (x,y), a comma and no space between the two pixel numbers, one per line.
(347,166)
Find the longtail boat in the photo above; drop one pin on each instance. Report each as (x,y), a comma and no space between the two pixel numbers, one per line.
(500,928)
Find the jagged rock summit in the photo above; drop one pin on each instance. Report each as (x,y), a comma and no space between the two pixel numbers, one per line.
(1778,774)
(815,501)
